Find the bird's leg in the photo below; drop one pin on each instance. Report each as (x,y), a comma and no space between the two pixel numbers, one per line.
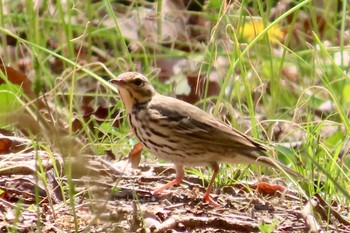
(179,176)
(207,197)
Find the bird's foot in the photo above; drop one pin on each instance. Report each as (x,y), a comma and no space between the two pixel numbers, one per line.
(161,195)
(207,198)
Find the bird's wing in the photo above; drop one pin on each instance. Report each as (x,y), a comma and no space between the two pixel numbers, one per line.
(188,121)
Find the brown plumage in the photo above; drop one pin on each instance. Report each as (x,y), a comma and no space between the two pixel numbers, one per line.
(183,134)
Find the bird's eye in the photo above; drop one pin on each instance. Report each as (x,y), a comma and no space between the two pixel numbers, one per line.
(138,82)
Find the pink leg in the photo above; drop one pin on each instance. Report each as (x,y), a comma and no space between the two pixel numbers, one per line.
(207,198)
(179,176)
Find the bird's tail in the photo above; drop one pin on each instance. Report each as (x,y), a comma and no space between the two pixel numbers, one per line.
(266,161)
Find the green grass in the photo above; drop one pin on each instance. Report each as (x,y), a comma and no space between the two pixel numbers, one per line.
(252,82)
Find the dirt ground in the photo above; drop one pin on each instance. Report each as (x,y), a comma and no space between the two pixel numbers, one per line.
(112,197)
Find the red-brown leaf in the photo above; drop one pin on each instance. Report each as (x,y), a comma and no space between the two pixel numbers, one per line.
(268,189)
(135,155)
(5,145)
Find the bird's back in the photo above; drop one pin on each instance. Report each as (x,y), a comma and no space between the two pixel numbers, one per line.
(178,128)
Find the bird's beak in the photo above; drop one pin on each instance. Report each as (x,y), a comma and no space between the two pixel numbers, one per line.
(118,82)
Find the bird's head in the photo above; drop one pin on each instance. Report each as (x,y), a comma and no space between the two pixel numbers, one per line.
(134,88)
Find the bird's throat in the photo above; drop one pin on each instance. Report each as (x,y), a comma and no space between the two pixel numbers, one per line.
(127,98)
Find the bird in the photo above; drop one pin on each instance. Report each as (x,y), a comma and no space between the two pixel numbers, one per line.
(184,134)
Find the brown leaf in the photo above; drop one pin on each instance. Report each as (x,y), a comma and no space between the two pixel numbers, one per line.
(135,155)
(304,27)
(268,189)
(198,86)
(18,78)
(166,66)
(5,145)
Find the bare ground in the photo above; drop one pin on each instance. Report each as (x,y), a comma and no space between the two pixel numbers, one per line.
(110,197)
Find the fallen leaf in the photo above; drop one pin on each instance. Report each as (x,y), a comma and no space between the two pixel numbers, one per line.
(5,145)
(18,78)
(198,87)
(135,155)
(268,189)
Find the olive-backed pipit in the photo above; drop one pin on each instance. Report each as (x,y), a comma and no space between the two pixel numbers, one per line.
(183,134)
